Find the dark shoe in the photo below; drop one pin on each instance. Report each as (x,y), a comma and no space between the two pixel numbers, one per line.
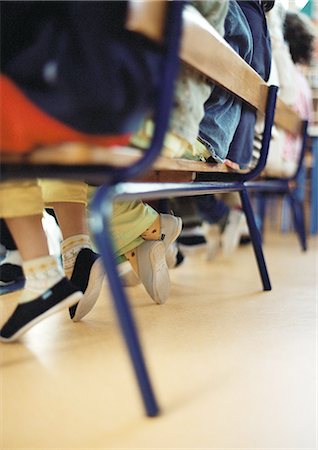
(62,295)
(88,275)
(180,258)
(10,274)
(192,244)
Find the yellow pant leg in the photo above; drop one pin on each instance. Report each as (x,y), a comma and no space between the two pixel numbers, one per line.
(63,191)
(20,198)
(129,219)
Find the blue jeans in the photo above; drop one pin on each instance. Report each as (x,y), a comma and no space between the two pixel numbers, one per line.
(222,109)
(210,208)
(242,145)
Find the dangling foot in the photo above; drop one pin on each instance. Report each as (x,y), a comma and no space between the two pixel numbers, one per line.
(166,228)
(62,295)
(84,268)
(231,234)
(46,292)
(149,262)
(170,229)
(11,269)
(88,275)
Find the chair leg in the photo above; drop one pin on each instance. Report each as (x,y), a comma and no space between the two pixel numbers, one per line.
(101,210)
(256,239)
(299,219)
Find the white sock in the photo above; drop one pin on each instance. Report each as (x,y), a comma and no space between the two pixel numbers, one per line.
(41,274)
(12,257)
(70,248)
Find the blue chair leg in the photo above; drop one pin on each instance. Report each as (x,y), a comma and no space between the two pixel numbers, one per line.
(299,219)
(256,239)
(101,208)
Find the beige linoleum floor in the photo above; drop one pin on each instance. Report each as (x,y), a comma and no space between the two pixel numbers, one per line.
(233,367)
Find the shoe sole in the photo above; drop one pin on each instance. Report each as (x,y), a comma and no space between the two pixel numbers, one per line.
(160,286)
(171,257)
(91,294)
(66,303)
(7,283)
(174,237)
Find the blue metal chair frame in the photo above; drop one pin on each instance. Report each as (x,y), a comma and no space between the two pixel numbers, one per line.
(101,209)
(101,213)
(288,187)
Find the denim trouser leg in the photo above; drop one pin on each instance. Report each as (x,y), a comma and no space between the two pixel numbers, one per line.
(211,209)
(222,109)
(217,128)
(242,145)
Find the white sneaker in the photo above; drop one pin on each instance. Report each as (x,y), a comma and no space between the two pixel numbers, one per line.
(170,230)
(127,276)
(170,227)
(230,237)
(212,236)
(153,270)
(171,255)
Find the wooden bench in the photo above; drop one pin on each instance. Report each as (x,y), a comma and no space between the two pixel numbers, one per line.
(117,169)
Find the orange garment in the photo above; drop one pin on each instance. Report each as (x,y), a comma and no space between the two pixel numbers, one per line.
(23,126)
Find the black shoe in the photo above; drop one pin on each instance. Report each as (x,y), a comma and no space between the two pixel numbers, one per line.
(180,258)
(88,274)
(62,295)
(10,274)
(192,240)
(193,244)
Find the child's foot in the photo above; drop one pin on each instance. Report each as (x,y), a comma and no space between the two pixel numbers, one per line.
(232,165)
(11,271)
(231,234)
(166,228)
(88,274)
(10,274)
(61,295)
(150,261)
(212,234)
(170,229)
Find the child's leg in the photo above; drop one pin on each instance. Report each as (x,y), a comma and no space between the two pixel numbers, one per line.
(81,264)
(143,237)
(46,290)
